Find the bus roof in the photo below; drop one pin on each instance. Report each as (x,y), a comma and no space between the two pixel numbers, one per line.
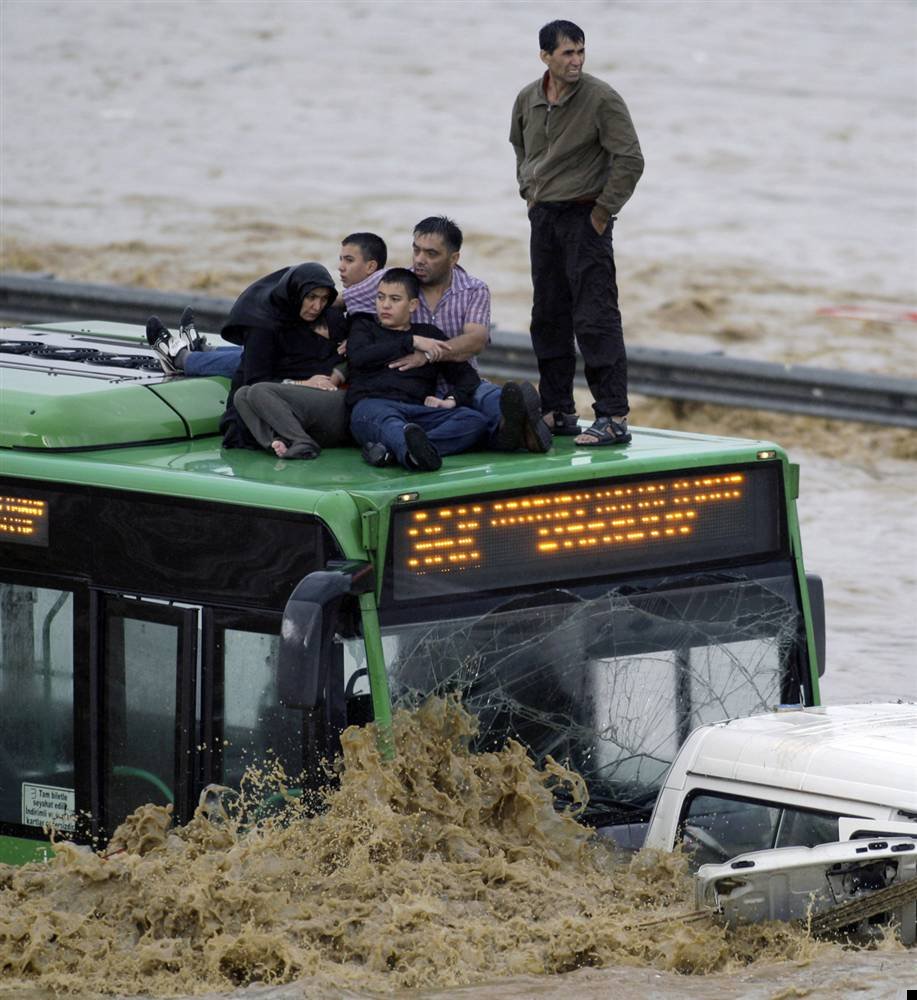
(112,418)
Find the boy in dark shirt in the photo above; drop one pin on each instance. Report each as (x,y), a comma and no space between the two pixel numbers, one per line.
(396,415)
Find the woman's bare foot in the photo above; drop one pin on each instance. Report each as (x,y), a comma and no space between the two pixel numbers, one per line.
(279,447)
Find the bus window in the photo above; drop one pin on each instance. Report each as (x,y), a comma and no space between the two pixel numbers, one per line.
(150,666)
(36,692)
(256,727)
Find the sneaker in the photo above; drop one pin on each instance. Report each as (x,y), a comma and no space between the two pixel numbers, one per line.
(375,453)
(166,344)
(421,452)
(564,424)
(187,331)
(508,436)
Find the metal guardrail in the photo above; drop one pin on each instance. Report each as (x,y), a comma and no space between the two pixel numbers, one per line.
(710,378)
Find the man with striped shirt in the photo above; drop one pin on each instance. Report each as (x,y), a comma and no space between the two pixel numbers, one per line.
(450,298)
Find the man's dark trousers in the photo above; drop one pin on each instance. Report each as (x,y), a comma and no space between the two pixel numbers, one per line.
(576,295)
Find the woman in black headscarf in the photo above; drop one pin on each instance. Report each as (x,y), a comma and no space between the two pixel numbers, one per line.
(284,395)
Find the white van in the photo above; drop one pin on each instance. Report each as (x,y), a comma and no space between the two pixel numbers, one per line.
(791,778)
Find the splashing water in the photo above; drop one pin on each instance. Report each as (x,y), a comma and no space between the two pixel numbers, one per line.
(443,867)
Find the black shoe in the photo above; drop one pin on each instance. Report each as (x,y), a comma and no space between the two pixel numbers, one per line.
(509,434)
(536,435)
(166,344)
(375,453)
(155,330)
(187,331)
(565,424)
(422,454)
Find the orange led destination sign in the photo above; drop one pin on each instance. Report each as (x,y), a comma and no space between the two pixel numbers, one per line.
(23,519)
(586,530)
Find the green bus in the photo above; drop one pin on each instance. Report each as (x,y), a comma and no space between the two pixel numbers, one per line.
(171,612)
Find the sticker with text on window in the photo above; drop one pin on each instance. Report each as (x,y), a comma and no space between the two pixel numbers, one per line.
(48,804)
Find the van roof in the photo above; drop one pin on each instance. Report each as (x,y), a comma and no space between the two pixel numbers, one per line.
(862,752)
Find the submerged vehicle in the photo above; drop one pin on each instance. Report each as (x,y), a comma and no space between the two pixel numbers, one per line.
(171,611)
(794,778)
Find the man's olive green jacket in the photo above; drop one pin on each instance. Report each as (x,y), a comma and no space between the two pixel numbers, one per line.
(582,147)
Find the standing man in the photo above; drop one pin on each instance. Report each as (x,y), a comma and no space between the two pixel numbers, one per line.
(578,161)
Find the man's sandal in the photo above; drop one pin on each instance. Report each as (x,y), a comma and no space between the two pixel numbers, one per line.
(605,431)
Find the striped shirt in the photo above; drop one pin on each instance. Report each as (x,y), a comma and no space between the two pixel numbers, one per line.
(466,300)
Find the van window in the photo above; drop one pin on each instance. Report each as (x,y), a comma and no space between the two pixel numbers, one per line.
(716,827)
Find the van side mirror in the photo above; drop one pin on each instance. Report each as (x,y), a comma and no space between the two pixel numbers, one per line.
(307,630)
(817,607)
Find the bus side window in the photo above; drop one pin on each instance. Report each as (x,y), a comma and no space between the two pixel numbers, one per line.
(36,691)
(256,727)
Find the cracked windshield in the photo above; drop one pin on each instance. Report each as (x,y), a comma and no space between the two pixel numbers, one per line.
(608,685)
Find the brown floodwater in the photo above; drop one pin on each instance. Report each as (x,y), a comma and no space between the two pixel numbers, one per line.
(443,869)
(198,146)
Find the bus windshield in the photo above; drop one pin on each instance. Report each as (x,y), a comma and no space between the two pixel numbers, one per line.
(607,681)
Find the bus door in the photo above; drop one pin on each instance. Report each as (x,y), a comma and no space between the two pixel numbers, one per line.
(40,687)
(148,658)
(189,698)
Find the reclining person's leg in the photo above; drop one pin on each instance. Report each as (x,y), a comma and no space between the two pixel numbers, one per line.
(320,413)
(289,439)
(261,430)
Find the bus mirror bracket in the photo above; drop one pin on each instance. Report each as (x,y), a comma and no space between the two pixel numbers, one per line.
(307,630)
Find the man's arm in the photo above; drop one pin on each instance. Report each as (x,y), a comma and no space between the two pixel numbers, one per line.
(517,138)
(475,333)
(618,136)
(469,343)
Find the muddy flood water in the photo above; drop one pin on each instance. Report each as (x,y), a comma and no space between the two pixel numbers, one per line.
(196,146)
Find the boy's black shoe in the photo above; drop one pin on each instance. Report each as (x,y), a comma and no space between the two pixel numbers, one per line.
(422,454)
(375,453)
(508,436)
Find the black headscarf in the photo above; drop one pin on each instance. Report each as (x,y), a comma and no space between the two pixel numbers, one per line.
(273,302)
